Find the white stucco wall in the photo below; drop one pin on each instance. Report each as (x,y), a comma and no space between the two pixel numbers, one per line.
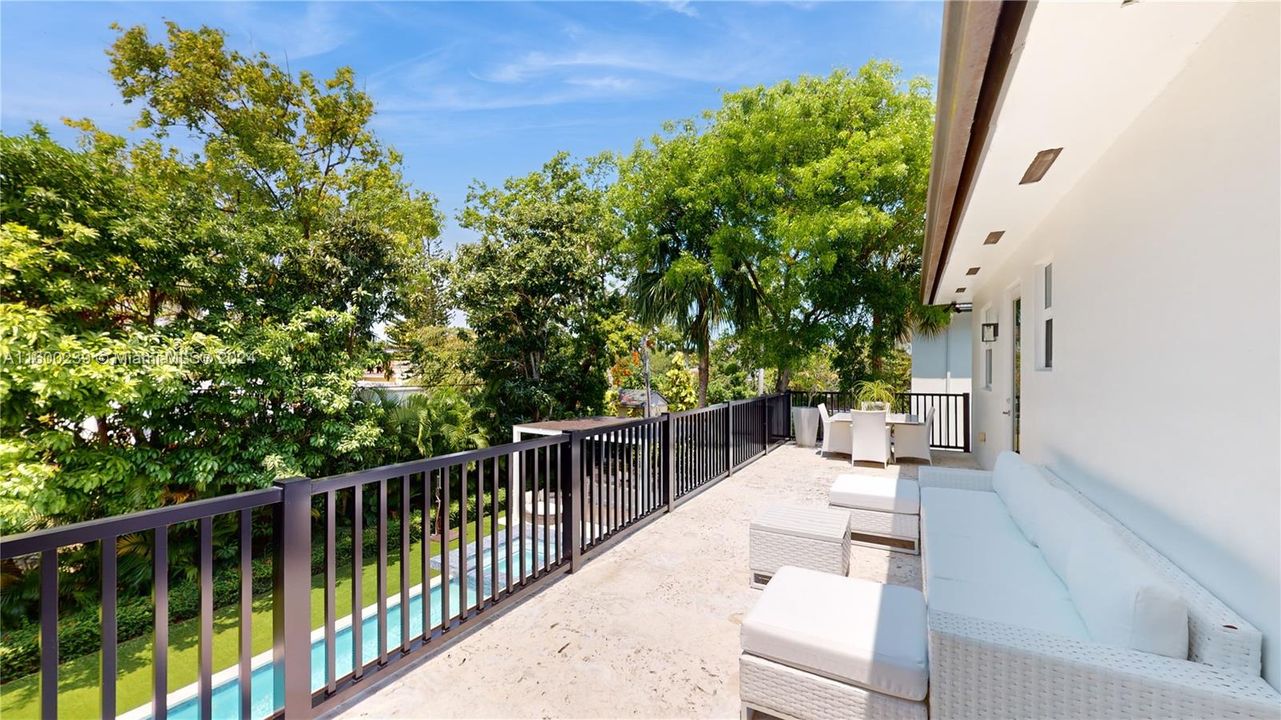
(941,363)
(1163,401)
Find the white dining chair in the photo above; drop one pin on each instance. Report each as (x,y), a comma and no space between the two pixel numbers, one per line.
(869,437)
(913,441)
(826,420)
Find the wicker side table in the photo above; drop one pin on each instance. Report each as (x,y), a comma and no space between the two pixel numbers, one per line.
(815,538)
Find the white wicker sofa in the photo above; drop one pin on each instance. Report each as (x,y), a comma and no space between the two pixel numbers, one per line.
(1006,639)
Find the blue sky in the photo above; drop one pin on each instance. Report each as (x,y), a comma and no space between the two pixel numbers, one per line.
(478,90)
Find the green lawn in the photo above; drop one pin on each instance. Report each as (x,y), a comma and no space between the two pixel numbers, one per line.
(78,679)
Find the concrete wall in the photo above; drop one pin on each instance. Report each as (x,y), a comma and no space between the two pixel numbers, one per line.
(941,364)
(1162,404)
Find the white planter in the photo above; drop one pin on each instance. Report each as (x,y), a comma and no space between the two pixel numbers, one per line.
(805,422)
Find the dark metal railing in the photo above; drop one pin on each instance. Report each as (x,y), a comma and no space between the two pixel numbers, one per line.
(951,429)
(622,473)
(503,546)
(106,533)
(522,514)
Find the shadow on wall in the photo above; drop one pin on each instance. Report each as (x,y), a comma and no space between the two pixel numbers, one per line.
(1192,550)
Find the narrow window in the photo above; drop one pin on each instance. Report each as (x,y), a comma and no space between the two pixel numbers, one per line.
(989,317)
(1049,343)
(1045,343)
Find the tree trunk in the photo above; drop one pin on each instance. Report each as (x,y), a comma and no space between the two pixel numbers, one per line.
(783,379)
(704,372)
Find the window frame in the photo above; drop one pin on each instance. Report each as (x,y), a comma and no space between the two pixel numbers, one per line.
(1045,316)
(989,370)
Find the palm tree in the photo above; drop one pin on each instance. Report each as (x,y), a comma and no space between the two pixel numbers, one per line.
(669,225)
(683,292)
(429,424)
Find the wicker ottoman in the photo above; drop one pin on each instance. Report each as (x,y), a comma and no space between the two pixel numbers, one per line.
(816,538)
(818,646)
(883,512)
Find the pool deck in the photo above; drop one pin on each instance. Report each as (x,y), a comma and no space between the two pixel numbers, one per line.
(649,628)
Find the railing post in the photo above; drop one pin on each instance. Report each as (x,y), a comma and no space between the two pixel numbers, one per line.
(729,439)
(669,462)
(965,411)
(767,403)
(571,478)
(291,603)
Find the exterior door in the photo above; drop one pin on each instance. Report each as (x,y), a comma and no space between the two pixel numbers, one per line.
(1017,369)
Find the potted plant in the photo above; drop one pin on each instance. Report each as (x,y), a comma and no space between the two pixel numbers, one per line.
(874,395)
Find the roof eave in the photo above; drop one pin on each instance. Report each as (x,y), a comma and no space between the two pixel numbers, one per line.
(978,42)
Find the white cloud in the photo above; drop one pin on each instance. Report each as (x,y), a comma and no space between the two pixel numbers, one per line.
(605,82)
(674,63)
(320,30)
(684,7)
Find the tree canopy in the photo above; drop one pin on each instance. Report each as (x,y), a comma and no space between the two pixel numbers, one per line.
(177,325)
(182,323)
(794,213)
(534,290)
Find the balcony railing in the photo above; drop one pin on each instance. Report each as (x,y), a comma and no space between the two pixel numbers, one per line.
(951,430)
(528,513)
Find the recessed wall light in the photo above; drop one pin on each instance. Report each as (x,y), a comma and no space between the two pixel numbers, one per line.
(1128,2)
(960,290)
(993,237)
(972,271)
(1040,165)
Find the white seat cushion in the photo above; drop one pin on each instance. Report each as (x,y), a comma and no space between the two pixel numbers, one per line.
(853,631)
(816,523)
(978,563)
(994,561)
(964,512)
(1031,609)
(870,492)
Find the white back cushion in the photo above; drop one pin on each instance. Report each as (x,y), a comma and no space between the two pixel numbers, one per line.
(1023,488)
(1060,521)
(1122,601)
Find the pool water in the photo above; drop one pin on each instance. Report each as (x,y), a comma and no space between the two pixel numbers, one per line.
(226,696)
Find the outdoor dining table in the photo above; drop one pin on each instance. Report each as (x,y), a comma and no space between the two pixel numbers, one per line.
(891,419)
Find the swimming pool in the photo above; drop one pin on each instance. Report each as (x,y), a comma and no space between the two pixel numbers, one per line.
(226,695)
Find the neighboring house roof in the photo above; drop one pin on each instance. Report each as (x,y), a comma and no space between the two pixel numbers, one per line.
(636,398)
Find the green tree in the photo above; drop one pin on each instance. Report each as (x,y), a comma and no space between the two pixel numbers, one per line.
(677,385)
(733,375)
(669,221)
(436,354)
(179,325)
(534,290)
(437,422)
(820,186)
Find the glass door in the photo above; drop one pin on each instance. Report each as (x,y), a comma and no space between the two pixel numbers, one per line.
(1017,369)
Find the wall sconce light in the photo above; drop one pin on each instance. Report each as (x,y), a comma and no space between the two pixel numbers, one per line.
(987,332)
